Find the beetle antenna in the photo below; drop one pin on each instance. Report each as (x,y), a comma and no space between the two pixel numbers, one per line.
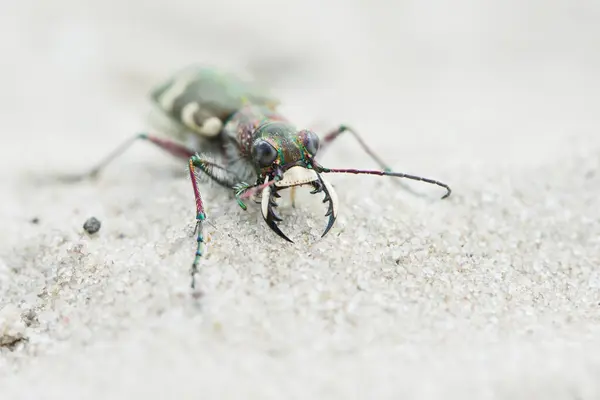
(320,168)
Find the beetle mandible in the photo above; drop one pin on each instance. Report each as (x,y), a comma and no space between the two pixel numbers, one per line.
(262,152)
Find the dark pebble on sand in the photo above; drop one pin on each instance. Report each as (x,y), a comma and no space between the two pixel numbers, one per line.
(92,225)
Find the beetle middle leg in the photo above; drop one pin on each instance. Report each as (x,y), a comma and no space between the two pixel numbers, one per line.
(330,137)
(176,149)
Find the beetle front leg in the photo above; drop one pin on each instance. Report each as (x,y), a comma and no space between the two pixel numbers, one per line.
(218,174)
(200,217)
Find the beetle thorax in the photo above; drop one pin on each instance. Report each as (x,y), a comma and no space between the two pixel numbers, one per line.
(282,136)
(243,126)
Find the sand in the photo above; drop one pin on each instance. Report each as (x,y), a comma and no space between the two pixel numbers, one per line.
(493,293)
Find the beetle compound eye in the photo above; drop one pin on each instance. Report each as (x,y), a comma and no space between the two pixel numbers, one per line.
(264,153)
(311,142)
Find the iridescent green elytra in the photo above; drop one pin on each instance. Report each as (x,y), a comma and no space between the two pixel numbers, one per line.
(202,98)
(259,152)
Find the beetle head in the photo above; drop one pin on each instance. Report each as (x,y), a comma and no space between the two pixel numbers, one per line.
(284,157)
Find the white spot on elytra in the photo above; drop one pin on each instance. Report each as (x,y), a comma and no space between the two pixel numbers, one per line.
(187,115)
(167,99)
(211,127)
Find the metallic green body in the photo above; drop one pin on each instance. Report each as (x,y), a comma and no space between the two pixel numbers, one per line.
(196,94)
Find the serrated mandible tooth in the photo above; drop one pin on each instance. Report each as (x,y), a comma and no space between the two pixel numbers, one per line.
(275,216)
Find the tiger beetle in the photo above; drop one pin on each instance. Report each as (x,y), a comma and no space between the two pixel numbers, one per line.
(256,144)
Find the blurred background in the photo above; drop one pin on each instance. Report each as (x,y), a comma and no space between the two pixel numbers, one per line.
(450,83)
(478,94)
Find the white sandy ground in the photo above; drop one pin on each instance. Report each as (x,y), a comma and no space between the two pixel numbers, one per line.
(492,294)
